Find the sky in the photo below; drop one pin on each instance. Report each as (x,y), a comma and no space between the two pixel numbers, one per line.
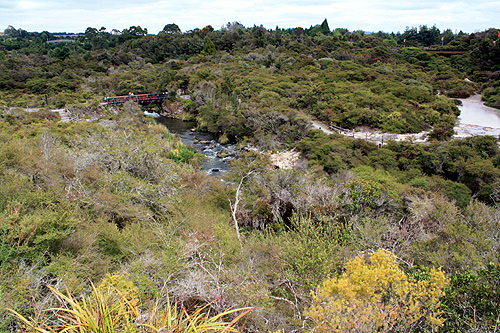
(368,15)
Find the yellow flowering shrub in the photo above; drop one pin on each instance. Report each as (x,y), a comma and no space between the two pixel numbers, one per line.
(375,295)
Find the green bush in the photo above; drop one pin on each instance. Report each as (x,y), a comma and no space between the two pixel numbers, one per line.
(310,251)
(472,300)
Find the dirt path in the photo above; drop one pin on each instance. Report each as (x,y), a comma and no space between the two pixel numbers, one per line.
(317,125)
(372,135)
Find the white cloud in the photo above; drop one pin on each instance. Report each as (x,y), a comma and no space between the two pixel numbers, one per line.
(27,5)
(385,15)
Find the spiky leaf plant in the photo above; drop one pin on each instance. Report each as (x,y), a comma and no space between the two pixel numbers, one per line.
(110,310)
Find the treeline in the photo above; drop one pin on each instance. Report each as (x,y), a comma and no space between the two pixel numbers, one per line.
(350,80)
(28,60)
(94,39)
(171,42)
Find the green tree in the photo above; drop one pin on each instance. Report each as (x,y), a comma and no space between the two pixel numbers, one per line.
(171,28)
(325,29)
(209,48)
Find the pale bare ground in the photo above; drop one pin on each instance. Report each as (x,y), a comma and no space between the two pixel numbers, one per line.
(318,125)
(380,138)
(373,135)
(467,130)
(285,159)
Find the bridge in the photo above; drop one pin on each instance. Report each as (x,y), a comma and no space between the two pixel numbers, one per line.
(141,99)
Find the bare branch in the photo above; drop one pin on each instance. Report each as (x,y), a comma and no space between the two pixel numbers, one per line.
(234,208)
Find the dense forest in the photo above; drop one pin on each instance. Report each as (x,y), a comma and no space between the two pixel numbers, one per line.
(113,210)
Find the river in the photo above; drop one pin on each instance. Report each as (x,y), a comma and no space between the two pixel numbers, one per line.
(477,119)
(217,156)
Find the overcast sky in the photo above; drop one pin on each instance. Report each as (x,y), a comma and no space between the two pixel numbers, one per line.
(369,15)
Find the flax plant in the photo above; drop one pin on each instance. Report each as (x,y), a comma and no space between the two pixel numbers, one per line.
(110,311)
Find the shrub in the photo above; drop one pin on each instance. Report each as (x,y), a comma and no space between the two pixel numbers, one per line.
(472,300)
(375,295)
(185,154)
(311,251)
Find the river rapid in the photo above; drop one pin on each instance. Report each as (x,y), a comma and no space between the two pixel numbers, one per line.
(217,156)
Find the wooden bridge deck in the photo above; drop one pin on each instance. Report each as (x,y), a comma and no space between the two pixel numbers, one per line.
(141,99)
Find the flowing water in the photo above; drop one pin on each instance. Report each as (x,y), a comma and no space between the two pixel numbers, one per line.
(217,156)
